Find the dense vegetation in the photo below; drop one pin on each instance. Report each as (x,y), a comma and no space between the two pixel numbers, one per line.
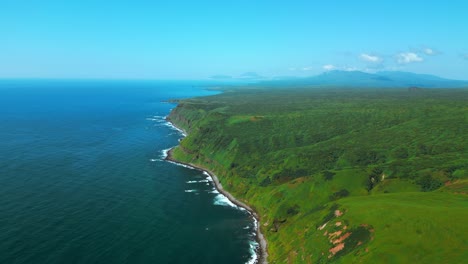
(341,175)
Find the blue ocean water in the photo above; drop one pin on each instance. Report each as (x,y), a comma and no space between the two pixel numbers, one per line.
(82,179)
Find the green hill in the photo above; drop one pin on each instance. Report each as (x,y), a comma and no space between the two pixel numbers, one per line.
(341,175)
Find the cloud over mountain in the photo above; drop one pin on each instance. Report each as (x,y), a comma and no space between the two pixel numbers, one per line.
(408,57)
(328,67)
(370,58)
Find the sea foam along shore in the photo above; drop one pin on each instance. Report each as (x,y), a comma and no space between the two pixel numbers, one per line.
(262,253)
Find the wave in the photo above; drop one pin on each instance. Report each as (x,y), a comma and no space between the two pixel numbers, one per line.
(198,181)
(214,191)
(190,191)
(162,120)
(253,247)
(220,199)
(157,118)
(154,160)
(165,152)
(182,165)
(253,244)
(209,176)
(170,125)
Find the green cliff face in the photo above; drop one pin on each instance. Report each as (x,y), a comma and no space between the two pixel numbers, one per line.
(340,175)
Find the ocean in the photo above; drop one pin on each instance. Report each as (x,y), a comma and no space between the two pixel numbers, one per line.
(83,179)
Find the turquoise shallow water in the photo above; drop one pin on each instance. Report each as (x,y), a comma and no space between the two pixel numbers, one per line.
(82,180)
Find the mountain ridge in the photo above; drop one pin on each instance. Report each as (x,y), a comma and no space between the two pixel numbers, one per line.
(385,79)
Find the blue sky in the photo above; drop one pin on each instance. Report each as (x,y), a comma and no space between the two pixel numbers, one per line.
(198,39)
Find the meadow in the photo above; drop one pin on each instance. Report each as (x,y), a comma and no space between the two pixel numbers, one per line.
(340,175)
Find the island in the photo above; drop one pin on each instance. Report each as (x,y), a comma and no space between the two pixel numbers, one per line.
(339,175)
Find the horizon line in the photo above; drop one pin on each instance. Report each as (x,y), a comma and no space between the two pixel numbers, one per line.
(229,78)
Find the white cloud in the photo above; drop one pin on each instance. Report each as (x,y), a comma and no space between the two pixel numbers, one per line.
(330,67)
(408,57)
(370,58)
(429,51)
(307,68)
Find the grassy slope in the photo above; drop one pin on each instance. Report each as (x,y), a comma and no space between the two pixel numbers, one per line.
(412,227)
(297,157)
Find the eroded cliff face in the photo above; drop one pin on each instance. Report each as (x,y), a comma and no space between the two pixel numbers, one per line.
(208,143)
(189,113)
(180,116)
(201,146)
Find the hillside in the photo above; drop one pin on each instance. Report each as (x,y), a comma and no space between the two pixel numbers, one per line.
(341,175)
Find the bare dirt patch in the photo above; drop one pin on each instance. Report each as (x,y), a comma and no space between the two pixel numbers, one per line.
(342,238)
(338,213)
(336,249)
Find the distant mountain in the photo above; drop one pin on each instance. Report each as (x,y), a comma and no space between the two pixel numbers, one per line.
(244,77)
(251,76)
(220,77)
(427,80)
(363,79)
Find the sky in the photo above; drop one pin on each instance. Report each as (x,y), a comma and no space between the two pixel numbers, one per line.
(155,39)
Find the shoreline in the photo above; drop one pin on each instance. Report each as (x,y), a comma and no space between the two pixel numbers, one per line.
(262,248)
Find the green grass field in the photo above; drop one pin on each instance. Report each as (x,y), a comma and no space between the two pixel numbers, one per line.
(411,227)
(341,175)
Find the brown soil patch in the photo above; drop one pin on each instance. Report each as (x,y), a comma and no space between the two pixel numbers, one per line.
(336,249)
(342,238)
(335,234)
(338,224)
(338,213)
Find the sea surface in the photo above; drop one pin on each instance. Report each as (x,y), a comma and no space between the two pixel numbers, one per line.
(83,180)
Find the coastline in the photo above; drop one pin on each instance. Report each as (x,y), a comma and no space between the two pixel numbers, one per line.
(262,249)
